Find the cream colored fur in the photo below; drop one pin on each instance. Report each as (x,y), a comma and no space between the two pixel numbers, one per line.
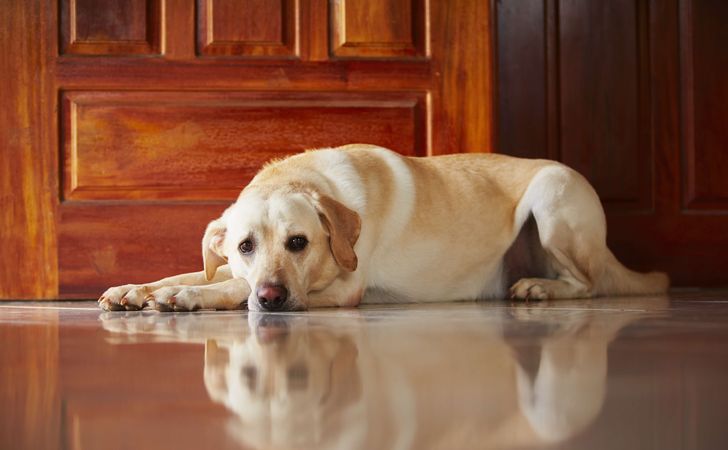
(416,229)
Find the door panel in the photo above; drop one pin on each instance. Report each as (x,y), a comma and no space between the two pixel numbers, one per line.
(399,32)
(111,243)
(209,145)
(704,66)
(152,115)
(111,27)
(603,131)
(250,28)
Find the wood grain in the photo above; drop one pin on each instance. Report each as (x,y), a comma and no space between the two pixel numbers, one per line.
(521,70)
(109,73)
(179,20)
(462,96)
(27,163)
(207,145)
(604,133)
(379,28)
(704,69)
(29,379)
(111,27)
(107,244)
(250,28)
(633,95)
(128,84)
(91,359)
(573,86)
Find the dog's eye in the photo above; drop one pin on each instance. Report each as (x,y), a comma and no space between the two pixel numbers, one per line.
(246,247)
(296,243)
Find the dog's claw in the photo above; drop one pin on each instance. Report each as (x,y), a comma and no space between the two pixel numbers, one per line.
(149,300)
(175,306)
(115,307)
(163,307)
(131,307)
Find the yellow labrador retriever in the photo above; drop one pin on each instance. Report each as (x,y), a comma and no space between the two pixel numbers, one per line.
(325,227)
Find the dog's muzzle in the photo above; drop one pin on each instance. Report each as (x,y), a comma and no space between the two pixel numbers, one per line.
(271,297)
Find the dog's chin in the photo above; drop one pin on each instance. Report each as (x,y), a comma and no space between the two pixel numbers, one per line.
(297,306)
(289,306)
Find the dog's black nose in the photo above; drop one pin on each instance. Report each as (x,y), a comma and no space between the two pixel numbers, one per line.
(271,296)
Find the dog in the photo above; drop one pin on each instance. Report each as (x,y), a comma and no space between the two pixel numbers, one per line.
(331,227)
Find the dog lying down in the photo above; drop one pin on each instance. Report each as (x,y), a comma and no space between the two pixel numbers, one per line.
(361,224)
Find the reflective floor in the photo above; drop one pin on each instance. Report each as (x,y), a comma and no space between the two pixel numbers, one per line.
(610,373)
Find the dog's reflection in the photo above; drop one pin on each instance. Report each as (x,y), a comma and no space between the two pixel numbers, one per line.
(473,378)
(287,383)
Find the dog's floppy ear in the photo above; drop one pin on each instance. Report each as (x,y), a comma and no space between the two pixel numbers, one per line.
(212,254)
(344,226)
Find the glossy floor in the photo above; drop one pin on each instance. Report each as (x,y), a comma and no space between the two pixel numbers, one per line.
(609,373)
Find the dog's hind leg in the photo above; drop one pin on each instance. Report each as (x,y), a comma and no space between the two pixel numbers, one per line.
(572,231)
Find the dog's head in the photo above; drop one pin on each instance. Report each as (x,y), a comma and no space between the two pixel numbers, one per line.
(286,241)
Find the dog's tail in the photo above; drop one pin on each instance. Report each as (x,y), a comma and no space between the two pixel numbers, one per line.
(616,279)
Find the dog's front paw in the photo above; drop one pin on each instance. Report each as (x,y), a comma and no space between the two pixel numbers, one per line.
(129,297)
(529,289)
(176,298)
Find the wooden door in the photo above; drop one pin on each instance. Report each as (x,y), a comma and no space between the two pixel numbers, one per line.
(133,123)
(633,94)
